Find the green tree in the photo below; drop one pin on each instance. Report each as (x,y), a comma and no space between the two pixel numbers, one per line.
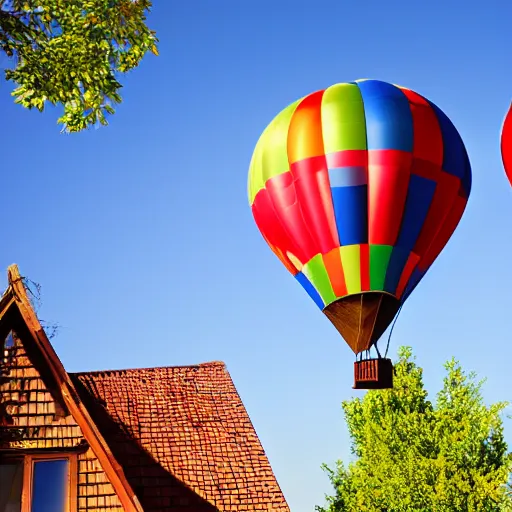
(71,52)
(412,455)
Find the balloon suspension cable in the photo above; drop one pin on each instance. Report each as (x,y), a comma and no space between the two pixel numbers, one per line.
(363,355)
(393,325)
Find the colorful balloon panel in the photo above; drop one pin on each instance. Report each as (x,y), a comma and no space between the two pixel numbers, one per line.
(506,145)
(357,188)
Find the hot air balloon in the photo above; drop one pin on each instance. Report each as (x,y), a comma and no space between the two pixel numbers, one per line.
(506,144)
(357,188)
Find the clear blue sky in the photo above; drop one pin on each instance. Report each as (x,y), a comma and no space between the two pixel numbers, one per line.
(142,238)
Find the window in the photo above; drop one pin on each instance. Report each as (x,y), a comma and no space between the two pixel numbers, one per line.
(11,485)
(8,350)
(38,483)
(50,482)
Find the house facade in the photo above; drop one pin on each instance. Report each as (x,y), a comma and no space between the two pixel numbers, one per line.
(152,440)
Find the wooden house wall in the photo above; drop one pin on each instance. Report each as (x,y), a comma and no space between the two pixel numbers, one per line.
(36,410)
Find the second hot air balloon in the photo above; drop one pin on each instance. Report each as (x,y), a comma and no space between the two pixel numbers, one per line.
(357,188)
(506,144)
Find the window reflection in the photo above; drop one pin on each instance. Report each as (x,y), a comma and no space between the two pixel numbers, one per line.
(11,483)
(49,485)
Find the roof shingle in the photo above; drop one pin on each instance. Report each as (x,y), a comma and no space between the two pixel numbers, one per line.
(183,438)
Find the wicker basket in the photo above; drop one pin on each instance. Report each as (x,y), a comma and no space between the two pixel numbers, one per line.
(373,374)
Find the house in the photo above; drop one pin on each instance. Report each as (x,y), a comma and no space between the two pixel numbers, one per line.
(153,440)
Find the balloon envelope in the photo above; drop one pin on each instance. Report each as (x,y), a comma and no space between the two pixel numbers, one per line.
(357,188)
(506,145)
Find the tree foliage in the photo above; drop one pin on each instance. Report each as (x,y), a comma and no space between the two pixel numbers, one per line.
(412,455)
(71,52)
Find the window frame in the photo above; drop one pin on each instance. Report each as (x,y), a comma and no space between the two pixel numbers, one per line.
(29,459)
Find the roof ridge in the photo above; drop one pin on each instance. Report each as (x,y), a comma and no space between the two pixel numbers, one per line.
(121,370)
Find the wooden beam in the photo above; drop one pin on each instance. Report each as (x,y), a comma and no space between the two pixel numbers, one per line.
(99,446)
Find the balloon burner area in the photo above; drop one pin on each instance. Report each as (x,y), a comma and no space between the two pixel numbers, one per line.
(362,319)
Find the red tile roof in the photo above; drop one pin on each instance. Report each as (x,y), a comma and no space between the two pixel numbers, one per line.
(182,437)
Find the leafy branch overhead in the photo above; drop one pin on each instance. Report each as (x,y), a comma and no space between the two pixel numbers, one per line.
(71,52)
